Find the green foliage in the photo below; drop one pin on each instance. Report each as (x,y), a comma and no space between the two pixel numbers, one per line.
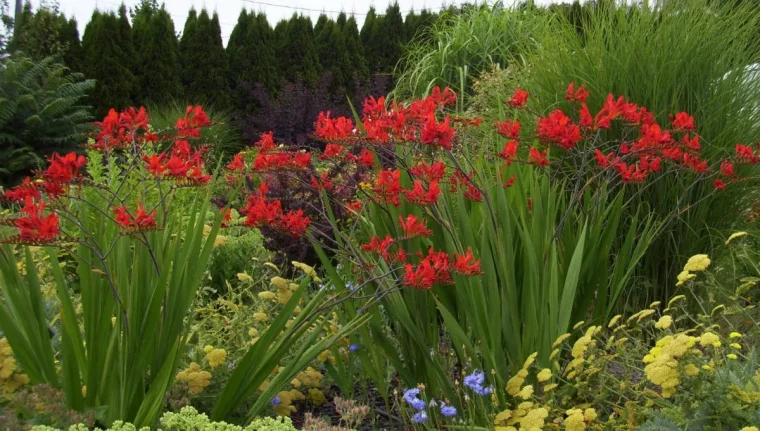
(204,70)
(47,33)
(297,51)
(107,60)
(458,47)
(368,36)
(189,419)
(234,256)
(251,51)
(642,53)
(157,55)
(355,48)
(333,54)
(41,110)
(389,38)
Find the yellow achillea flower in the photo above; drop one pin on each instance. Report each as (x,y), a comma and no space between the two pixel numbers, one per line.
(530,360)
(698,262)
(734,335)
(502,417)
(515,383)
(253,332)
(655,304)
(215,357)
(706,367)
(664,322)
(735,236)
(308,270)
(578,325)
(614,321)
(675,299)
(196,379)
(749,429)
(561,339)
(279,282)
(731,356)
(544,375)
(662,361)
(242,276)
(643,314)
(691,370)
(736,346)
(550,386)
(554,354)
(534,420)
(261,317)
(317,397)
(709,339)
(267,295)
(684,276)
(526,392)
(574,420)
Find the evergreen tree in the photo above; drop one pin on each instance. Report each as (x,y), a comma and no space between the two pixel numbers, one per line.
(298,52)
(46,33)
(369,38)
(412,24)
(238,58)
(390,38)
(355,49)
(341,20)
(106,61)
(204,61)
(157,59)
(72,57)
(262,43)
(333,55)
(320,25)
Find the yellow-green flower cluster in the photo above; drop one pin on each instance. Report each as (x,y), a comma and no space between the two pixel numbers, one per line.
(662,361)
(696,263)
(215,357)
(197,380)
(10,376)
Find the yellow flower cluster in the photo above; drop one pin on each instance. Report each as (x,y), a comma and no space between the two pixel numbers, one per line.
(662,361)
(10,377)
(696,263)
(286,407)
(308,270)
(197,380)
(215,357)
(579,350)
(310,377)
(285,290)
(577,419)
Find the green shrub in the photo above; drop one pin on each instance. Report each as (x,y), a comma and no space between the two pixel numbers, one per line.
(41,111)
(236,253)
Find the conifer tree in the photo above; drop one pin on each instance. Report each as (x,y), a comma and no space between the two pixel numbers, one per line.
(262,43)
(368,35)
(204,61)
(238,58)
(106,61)
(72,57)
(355,49)
(298,52)
(320,25)
(341,20)
(411,24)
(157,56)
(46,33)
(390,38)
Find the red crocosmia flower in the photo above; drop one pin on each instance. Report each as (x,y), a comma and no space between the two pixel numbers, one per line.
(181,149)
(538,158)
(510,182)
(692,144)
(301,160)
(434,172)
(727,168)
(355,206)
(122,217)
(610,111)
(400,256)
(366,158)
(509,152)
(529,204)
(156,165)
(673,154)
(558,129)
(237,163)
(52,190)
(420,277)
(586,120)
(227,218)
(332,151)
(176,167)
(630,174)
(388,186)
(374,107)
(466,264)
(435,133)
(35,226)
(144,220)
(519,99)
(439,260)
(379,246)
(190,126)
(650,164)
(418,195)
(412,226)
(295,223)
(64,169)
(579,95)
(327,128)
(471,192)
(682,121)
(602,160)
(323,182)
(197,176)
(509,129)
(447,97)
(745,154)
(27,189)
(719,184)
(695,164)
(266,142)
(261,213)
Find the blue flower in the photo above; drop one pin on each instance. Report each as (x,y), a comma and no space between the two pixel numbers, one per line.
(417,404)
(475,380)
(353,347)
(410,396)
(448,411)
(419,417)
(276,401)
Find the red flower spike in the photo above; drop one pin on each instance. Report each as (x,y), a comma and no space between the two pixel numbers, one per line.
(412,226)
(295,223)
(144,220)
(510,182)
(327,128)
(366,158)
(379,246)
(727,168)
(237,163)
(602,160)
(430,173)
(418,195)
(373,107)
(437,134)
(718,184)
(519,99)
(682,121)
(692,144)
(34,226)
(190,125)
(630,174)
(509,152)
(227,218)
(537,158)
(586,120)
(27,189)
(122,216)
(355,206)
(558,129)
(420,277)
(64,169)
(266,142)
(466,264)
(579,95)
(508,129)
(388,186)
(447,97)
(155,163)
(332,151)
(745,154)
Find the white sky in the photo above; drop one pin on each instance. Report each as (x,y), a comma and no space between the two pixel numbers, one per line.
(229,10)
